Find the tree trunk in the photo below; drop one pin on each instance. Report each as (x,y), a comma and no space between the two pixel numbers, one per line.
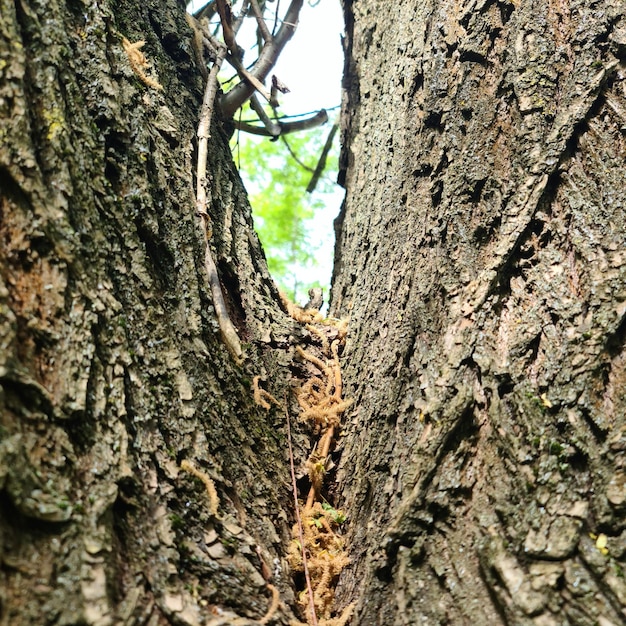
(481,259)
(112,368)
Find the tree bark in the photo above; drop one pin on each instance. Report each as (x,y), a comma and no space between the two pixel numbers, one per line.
(480,257)
(112,368)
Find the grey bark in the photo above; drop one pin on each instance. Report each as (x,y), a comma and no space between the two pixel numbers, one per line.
(111,363)
(481,261)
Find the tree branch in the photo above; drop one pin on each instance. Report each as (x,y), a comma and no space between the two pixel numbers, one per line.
(208,11)
(265,33)
(226,18)
(232,100)
(273,128)
(321,117)
(250,78)
(321,163)
(227,330)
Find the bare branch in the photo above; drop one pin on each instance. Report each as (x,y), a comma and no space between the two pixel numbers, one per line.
(226,18)
(229,32)
(247,76)
(303,165)
(321,117)
(273,128)
(231,101)
(242,15)
(263,29)
(208,11)
(321,163)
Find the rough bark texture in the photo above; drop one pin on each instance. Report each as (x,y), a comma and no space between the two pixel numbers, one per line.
(481,258)
(111,364)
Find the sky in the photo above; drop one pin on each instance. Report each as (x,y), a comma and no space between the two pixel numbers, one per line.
(311,66)
(311,63)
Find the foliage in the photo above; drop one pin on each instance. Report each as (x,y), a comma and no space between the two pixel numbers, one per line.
(285,215)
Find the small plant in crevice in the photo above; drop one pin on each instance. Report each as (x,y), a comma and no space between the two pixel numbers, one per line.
(325,561)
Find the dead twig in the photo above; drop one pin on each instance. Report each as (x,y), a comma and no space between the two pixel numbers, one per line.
(227,330)
(226,19)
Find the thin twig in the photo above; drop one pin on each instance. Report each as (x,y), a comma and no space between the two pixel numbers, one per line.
(223,8)
(227,330)
(282,117)
(276,17)
(294,156)
(299,519)
(321,164)
(265,33)
(229,334)
(239,21)
(203,137)
(321,117)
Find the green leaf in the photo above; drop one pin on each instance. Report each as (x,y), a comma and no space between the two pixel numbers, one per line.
(284,214)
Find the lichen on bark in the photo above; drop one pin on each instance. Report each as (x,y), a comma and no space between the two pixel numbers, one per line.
(112,368)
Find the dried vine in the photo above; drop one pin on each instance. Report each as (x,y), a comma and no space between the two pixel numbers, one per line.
(317,549)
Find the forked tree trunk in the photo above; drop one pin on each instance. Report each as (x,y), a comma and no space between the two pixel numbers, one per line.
(481,260)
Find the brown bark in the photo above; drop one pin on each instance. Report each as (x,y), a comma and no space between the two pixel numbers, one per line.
(481,261)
